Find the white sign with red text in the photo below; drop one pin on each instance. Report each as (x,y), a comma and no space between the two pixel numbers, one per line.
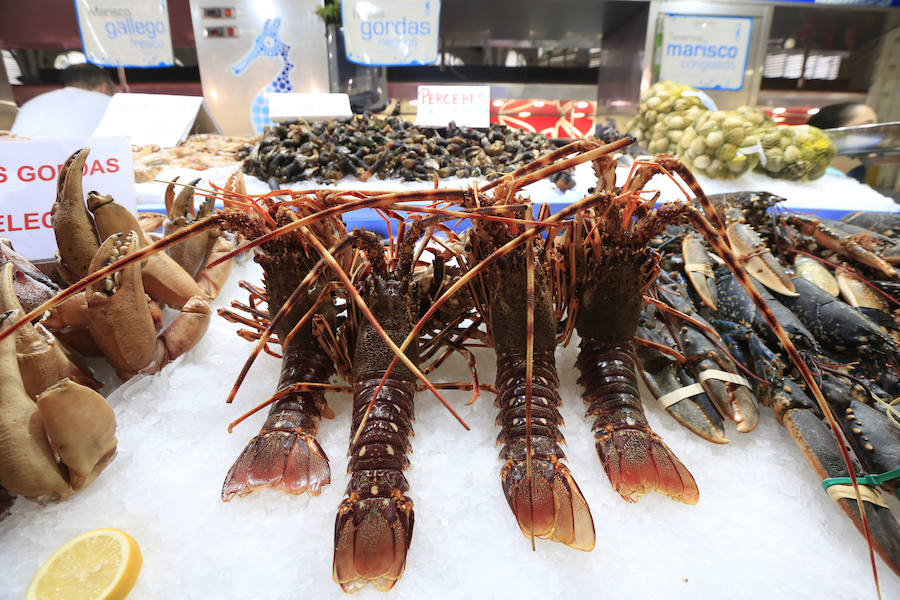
(467,105)
(28,172)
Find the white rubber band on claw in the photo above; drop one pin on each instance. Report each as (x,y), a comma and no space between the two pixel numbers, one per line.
(704,268)
(867,493)
(680,394)
(723,376)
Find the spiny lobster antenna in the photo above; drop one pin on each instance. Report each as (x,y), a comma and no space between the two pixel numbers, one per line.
(405,264)
(529,373)
(369,243)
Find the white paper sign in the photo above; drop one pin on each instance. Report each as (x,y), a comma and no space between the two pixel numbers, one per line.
(158,119)
(391,32)
(467,105)
(705,52)
(287,107)
(125,33)
(28,173)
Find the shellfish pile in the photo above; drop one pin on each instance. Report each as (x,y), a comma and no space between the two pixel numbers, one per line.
(364,145)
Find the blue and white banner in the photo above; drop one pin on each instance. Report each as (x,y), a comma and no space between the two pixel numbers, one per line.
(125,33)
(391,32)
(705,52)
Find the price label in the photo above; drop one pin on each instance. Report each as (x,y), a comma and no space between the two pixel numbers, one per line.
(28,173)
(125,33)
(158,119)
(391,32)
(285,107)
(467,105)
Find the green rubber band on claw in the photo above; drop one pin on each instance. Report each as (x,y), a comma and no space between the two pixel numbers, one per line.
(872,480)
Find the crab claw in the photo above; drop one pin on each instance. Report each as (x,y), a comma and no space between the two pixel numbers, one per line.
(76,236)
(163,279)
(81,426)
(32,287)
(42,361)
(758,260)
(191,253)
(194,253)
(698,268)
(27,465)
(150,221)
(120,320)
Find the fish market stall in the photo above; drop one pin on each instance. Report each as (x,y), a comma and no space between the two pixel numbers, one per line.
(762,524)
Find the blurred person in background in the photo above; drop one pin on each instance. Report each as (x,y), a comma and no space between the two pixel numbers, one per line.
(845,114)
(71,112)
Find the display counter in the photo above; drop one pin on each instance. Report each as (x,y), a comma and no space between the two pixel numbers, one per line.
(762,527)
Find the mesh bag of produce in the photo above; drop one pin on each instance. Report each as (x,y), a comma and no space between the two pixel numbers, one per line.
(798,152)
(725,143)
(664,111)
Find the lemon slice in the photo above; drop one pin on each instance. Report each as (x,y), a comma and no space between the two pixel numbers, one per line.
(98,565)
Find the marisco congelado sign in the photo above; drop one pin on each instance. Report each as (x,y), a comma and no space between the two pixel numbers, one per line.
(705,52)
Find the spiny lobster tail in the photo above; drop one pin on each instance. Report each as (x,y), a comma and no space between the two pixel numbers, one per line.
(374,524)
(285,454)
(550,505)
(543,495)
(635,458)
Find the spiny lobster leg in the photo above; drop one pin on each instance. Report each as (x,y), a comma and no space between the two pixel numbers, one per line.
(285,454)
(549,505)
(635,458)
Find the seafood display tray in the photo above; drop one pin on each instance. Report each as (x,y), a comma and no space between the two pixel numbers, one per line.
(763,526)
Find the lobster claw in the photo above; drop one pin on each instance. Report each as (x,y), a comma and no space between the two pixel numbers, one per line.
(698,268)
(816,441)
(666,379)
(814,271)
(849,240)
(758,260)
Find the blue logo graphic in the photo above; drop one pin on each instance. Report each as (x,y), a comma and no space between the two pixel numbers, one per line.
(267,43)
